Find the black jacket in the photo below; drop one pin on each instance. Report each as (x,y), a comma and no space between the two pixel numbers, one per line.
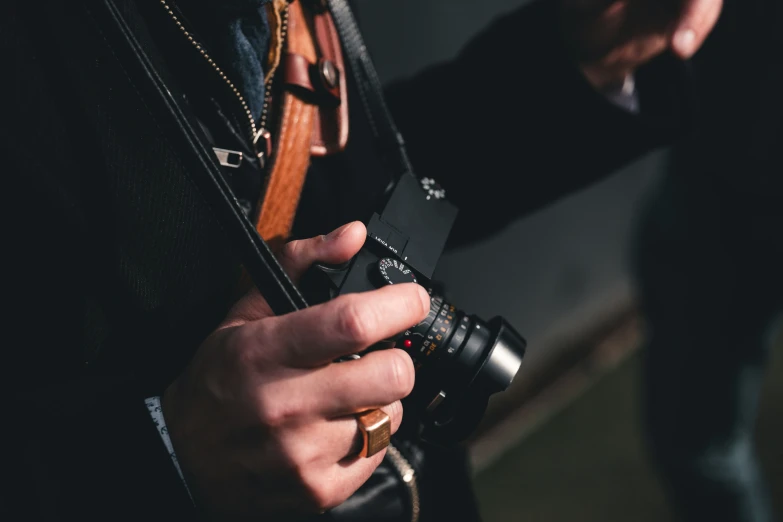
(122,251)
(716,219)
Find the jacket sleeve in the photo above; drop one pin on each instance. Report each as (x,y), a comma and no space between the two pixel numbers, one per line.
(511,124)
(98,458)
(77,444)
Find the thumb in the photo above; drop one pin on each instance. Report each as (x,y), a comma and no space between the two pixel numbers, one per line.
(337,247)
(296,257)
(696,20)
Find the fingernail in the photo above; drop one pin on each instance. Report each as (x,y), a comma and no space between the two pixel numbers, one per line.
(336,234)
(684,40)
(425,297)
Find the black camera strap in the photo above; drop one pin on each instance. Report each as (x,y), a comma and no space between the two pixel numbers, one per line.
(387,137)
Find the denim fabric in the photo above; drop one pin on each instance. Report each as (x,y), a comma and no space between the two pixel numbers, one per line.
(237,34)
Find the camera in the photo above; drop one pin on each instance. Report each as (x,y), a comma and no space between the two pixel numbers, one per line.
(460,359)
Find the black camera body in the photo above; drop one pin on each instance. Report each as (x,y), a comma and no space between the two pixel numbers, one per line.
(460,360)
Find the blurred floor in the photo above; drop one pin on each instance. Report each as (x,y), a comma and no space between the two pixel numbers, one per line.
(587,463)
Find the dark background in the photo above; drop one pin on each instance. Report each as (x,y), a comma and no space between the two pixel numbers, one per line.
(564,442)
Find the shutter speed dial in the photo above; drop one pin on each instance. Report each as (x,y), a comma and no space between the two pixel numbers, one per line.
(389,271)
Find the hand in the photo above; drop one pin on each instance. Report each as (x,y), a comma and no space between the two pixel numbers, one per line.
(611,38)
(261,420)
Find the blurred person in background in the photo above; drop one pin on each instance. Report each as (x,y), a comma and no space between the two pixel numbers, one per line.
(139,386)
(709,261)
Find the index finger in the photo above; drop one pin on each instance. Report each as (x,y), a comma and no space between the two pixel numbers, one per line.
(345,325)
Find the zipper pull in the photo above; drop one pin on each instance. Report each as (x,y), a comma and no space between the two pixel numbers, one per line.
(263,145)
(228,158)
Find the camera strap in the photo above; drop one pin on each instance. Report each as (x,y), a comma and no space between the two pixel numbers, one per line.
(387,137)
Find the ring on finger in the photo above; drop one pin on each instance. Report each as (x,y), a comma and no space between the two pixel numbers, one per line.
(375,430)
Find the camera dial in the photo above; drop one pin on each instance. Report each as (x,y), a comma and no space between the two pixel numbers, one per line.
(390,271)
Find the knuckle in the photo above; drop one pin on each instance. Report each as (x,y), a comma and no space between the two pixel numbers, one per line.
(301,249)
(241,347)
(292,250)
(263,341)
(274,413)
(355,322)
(401,375)
(249,347)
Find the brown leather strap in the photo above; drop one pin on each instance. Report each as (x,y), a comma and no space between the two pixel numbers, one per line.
(298,73)
(331,125)
(291,158)
(305,128)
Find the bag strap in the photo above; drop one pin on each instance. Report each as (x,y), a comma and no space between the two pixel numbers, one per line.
(299,119)
(279,198)
(388,139)
(291,159)
(314,115)
(279,204)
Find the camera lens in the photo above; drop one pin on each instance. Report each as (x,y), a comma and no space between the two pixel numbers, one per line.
(449,337)
(441,333)
(459,359)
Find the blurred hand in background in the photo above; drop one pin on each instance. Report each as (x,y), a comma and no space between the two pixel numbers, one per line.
(611,38)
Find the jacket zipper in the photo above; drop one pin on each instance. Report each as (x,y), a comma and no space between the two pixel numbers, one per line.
(408,476)
(256,131)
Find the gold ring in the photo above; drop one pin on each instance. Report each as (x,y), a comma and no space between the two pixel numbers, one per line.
(375,427)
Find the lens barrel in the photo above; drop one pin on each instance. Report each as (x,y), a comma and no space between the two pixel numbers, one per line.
(459,360)
(448,336)
(441,333)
